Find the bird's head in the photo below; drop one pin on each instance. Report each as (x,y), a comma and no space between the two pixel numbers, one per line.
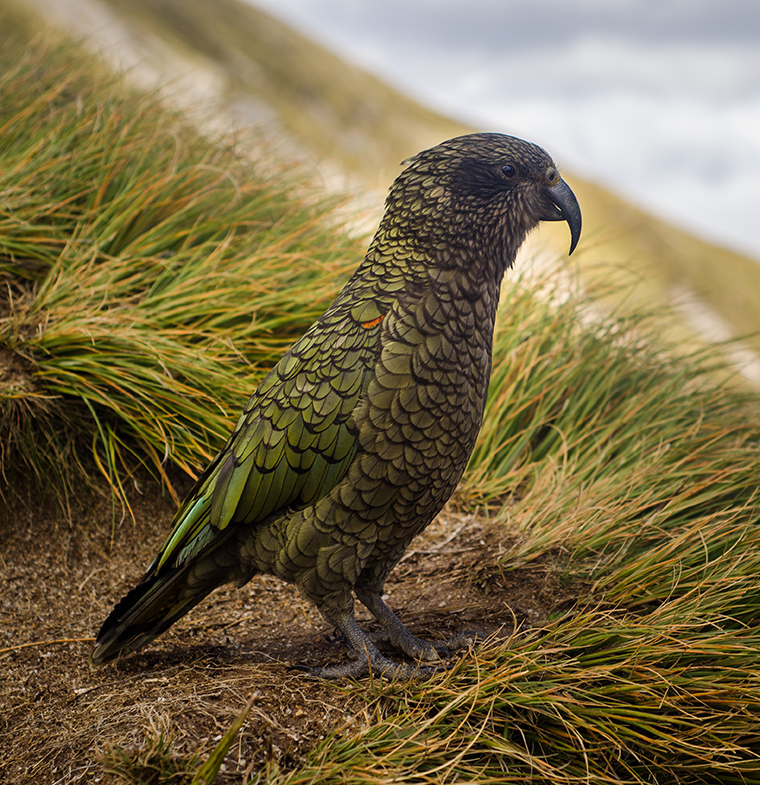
(479,195)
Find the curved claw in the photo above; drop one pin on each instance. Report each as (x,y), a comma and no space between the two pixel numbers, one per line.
(301,668)
(464,640)
(367,658)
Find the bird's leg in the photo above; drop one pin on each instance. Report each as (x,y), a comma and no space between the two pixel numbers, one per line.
(397,634)
(369,659)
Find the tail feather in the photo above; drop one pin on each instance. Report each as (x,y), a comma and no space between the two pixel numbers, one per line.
(144,613)
(160,599)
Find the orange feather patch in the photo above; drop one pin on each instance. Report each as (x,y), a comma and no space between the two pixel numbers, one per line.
(373,322)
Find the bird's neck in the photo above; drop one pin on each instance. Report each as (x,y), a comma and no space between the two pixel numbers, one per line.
(461,271)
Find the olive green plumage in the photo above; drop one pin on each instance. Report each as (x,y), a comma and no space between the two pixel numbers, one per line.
(357,438)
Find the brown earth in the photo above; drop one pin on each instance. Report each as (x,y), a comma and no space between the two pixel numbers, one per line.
(60,576)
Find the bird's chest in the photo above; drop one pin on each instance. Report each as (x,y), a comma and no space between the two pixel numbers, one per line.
(426,395)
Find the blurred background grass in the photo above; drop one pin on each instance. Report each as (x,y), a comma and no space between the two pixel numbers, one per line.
(255,68)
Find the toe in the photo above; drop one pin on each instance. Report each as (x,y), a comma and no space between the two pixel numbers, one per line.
(464,640)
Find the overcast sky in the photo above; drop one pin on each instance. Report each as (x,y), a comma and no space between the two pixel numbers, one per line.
(657,99)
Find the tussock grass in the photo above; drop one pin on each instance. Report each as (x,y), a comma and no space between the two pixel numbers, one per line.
(156,763)
(640,465)
(148,276)
(595,699)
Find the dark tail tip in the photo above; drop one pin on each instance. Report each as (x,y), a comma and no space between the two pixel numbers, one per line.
(147,611)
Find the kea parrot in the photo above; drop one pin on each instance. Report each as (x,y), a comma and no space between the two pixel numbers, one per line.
(352,444)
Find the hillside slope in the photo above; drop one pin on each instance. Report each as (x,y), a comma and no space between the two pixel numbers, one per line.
(252,68)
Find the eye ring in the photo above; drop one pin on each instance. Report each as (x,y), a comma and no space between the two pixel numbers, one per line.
(508,170)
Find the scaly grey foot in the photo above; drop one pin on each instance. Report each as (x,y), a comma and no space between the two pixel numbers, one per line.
(368,658)
(395,633)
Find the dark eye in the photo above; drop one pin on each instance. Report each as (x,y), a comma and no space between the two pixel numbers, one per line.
(508,170)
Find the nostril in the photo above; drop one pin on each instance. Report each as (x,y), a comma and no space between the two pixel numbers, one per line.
(552,176)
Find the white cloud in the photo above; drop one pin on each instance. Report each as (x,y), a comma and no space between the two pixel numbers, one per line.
(659,99)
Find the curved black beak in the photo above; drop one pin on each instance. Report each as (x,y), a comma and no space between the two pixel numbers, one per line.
(568,210)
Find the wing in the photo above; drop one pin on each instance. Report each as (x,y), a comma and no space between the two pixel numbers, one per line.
(294,440)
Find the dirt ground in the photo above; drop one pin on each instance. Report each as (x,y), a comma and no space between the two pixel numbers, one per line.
(59,579)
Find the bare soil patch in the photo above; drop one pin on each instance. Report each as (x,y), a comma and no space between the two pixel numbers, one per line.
(59,578)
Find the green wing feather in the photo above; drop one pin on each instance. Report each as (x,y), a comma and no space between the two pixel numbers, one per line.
(293,442)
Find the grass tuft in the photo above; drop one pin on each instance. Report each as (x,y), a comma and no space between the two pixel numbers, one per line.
(148,278)
(153,764)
